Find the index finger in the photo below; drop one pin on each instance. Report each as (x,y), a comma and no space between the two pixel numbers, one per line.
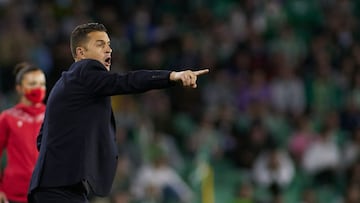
(201,72)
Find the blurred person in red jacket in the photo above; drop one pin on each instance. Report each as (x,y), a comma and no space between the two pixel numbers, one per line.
(19,127)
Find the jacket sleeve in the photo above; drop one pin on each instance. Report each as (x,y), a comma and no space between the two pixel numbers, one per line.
(4,132)
(95,77)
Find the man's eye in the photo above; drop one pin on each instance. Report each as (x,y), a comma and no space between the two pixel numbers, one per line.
(100,44)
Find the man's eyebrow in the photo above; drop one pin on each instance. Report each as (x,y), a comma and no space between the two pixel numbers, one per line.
(102,41)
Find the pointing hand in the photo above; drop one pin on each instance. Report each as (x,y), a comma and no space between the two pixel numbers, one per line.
(188,78)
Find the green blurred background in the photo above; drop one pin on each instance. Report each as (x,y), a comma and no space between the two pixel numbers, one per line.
(277,119)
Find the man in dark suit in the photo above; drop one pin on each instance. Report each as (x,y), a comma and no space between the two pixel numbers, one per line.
(77,143)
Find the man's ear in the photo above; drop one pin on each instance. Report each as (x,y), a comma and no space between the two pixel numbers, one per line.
(80,52)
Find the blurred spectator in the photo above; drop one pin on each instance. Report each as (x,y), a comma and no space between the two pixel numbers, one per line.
(287,91)
(257,90)
(250,144)
(240,66)
(168,145)
(352,193)
(245,194)
(226,125)
(351,149)
(224,40)
(347,71)
(353,173)
(168,28)
(308,195)
(324,93)
(120,197)
(288,45)
(301,138)
(274,170)
(219,91)
(19,127)
(321,160)
(156,105)
(332,123)
(159,182)
(140,28)
(350,115)
(205,142)
(149,137)
(354,92)
(124,173)
(189,51)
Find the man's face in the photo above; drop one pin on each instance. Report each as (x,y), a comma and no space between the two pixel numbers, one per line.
(97,47)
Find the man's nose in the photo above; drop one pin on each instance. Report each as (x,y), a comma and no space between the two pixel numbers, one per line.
(108,49)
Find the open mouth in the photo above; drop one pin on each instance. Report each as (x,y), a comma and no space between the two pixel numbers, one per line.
(108,61)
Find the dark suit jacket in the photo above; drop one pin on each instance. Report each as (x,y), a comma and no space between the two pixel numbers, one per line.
(77,139)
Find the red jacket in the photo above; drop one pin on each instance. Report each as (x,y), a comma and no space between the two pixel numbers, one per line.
(19,127)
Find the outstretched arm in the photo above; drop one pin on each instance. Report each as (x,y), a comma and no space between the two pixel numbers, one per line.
(187,78)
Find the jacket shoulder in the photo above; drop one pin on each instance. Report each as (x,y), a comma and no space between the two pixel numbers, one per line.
(89,63)
(81,68)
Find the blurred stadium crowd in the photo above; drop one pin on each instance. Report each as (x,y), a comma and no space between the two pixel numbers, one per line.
(277,119)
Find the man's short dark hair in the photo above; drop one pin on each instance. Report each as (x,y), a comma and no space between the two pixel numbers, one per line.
(79,34)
